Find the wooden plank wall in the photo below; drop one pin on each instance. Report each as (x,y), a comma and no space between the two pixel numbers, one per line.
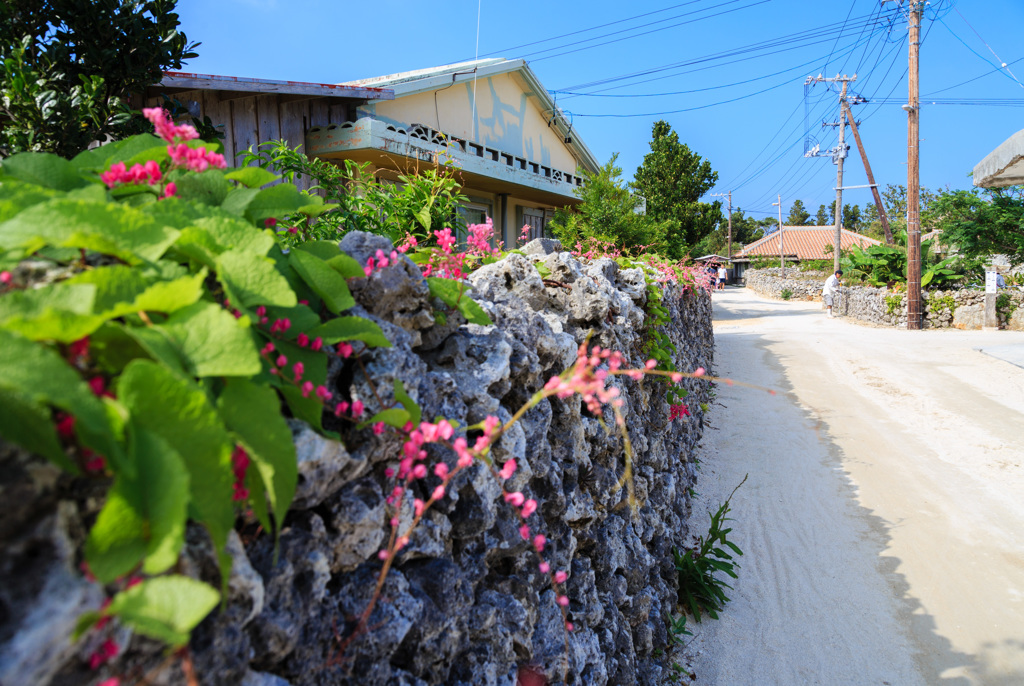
(250,120)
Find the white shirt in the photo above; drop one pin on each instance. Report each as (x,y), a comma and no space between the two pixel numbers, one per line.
(831,286)
(722,273)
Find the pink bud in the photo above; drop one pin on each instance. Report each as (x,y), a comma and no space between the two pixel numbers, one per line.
(357,408)
(318,343)
(568,626)
(344,349)
(560,577)
(529,507)
(508,470)
(383,554)
(5,277)
(538,542)
(298,369)
(281,360)
(699,371)
(302,340)
(651,364)
(441,470)
(419,471)
(378,428)
(524,531)
(389,472)
(676,377)
(544,567)
(307,388)
(562,600)
(418,505)
(515,498)
(438,493)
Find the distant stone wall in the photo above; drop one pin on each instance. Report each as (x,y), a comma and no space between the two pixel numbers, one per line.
(959,309)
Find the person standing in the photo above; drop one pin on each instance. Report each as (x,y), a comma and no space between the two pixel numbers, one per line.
(831,287)
(723,277)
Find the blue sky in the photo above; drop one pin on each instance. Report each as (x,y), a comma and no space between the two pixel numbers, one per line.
(755,139)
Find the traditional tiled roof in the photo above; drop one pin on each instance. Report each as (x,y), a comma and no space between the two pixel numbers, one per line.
(804,242)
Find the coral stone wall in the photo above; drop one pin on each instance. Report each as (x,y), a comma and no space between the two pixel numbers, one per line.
(465,602)
(960,309)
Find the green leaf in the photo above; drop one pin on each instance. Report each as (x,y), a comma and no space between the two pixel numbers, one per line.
(179,412)
(395,416)
(16,195)
(116,541)
(121,151)
(423,217)
(324,281)
(252,177)
(235,233)
(43,169)
(159,345)
(415,414)
(39,375)
(29,424)
(238,200)
(455,294)
(111,229)
(351,329)
(277,202)
(111,285)
(166,608)
(254,414)
(346,266)
(208,188)
(199,246)
(212,341)
(254,279)
(325,250)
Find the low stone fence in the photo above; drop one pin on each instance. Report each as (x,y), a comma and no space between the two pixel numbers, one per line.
(959,309)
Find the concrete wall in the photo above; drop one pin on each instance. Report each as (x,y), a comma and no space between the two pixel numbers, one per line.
(960,309)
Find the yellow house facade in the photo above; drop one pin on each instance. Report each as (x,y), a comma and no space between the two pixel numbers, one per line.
(513,150)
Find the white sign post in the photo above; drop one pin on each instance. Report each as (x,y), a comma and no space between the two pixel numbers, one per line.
(991,287)
(991,280)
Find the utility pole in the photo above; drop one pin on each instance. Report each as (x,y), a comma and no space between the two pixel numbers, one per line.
(838,157)
(913,172)
(913,107)
(782,236)
(728,250)
(871,177)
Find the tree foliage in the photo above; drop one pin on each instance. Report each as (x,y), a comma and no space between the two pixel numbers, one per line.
(798,214)
(609,212)
(673,178)
(983,222)
(823,218)
(69,67)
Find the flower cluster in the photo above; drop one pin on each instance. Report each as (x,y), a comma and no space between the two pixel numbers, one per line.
(479,239)
(167,129)
(148,173)
(679,411)
(195,159)
(379,262)
(524,234)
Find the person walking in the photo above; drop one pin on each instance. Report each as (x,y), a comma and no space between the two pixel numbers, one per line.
(723,277)
(832,286)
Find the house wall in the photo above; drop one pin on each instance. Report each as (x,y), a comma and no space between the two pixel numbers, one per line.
(507,118)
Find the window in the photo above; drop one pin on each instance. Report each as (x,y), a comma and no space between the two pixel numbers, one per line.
(475,212)
(535,219)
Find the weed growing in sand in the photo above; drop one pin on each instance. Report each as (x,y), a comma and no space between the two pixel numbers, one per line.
(699,589)
(786,294)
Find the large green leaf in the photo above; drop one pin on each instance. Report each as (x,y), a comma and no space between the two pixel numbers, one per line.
(29,424)
(213,342)
(254,414)
(235,233)
(415,414)
(351,329)
(117,541)
(208,188)
(346,266)
(103,156)
(166,608)
(111,229)
(238,200)
(252,177)
(113,285)
(40,375)
(325,250)
(16,196)
(158,343)
(254,279)
(43,169)
(275,202)
(164,488)
(324,281)
(179,412)
(60,312)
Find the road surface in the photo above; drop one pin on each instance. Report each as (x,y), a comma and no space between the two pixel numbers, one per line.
(883,521)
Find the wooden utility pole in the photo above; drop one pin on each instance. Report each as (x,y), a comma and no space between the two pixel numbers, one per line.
(837,246)
(913,172)
(871,177)
(782,236)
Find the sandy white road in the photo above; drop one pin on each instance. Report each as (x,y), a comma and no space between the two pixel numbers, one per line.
(883,521)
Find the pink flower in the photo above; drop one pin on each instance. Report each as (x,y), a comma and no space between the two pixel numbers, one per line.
(441,470)
(699,372)
(524,531)
(112,681)
(299,369)
(357,408)
(281,360)
(344,349)
(676,377)
(560,577)
(529,507)
(66,426)
(378,428)
(167,129)
(170,190)
(5,277)
(419,471)
(302,340)
(307,388)
(569,626)
(538,542)
(107,650)
(562,600)
(419,506)
(544,567)
(508,470)
(383,555)
(465,458)
(651,364)
(341,409)
(270,222)
(516,498)
(438,493)
(318,343)
(322,393)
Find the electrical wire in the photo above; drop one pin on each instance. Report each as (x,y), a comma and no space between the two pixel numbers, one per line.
(998,59)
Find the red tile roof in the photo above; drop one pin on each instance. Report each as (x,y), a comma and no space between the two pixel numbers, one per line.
(805,242)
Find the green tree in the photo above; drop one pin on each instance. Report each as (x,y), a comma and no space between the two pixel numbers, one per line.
(673,178)
(798,215)
(824,218)
(983,222)
(851,216)
(69,67)
(609,212)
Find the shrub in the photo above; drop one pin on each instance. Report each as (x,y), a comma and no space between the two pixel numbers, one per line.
(786,294)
